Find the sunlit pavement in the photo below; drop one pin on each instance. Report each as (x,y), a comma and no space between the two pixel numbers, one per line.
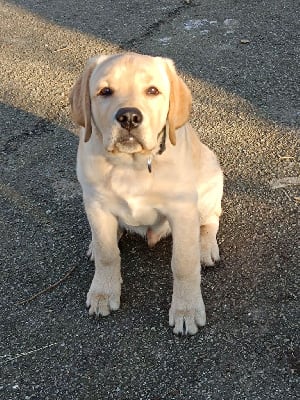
(241,63)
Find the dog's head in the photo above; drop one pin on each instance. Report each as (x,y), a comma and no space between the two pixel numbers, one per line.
(130,98)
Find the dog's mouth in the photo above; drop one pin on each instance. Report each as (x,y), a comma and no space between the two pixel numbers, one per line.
(128,144)
(133,143)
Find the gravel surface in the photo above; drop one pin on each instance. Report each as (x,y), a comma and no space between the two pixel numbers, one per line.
(241,62)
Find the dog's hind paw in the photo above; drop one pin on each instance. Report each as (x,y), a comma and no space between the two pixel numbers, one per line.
(209,253)
(89,253)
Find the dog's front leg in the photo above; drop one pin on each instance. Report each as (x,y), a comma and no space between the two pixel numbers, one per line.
(187,310)
(105,291)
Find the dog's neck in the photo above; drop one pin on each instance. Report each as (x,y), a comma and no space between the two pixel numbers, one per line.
(162,145)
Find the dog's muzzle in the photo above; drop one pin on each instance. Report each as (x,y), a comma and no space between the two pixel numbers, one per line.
(129,118)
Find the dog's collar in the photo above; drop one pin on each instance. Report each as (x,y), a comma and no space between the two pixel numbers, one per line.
(162,146)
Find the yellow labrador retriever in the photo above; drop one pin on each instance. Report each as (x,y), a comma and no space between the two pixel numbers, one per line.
(142,167)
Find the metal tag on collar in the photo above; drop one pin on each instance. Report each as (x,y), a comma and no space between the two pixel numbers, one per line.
(149,164)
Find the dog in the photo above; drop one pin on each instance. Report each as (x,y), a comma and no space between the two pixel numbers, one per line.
(142,168)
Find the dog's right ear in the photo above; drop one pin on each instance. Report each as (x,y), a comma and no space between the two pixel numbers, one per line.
(80,99)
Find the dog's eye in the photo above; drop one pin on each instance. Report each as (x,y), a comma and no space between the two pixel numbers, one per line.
(106,91)
(152,91)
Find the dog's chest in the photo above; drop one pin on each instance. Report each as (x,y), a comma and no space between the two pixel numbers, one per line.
(136,212)
(132,199)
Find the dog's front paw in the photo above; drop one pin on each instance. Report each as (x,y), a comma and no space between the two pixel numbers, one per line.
(187,320)
(101,303)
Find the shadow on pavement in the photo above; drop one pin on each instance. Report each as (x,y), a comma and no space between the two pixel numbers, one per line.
(51,348)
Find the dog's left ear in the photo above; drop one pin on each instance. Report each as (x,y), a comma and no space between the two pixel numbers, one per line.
(180,101)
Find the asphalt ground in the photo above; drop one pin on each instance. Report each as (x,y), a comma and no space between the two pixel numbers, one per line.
(241,62)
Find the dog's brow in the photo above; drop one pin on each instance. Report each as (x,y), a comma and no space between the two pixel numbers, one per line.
(141,74)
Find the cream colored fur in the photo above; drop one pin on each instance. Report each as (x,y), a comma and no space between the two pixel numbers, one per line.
(182,195)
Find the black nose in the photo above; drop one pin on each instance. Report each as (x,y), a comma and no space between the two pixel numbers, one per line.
(129,117)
